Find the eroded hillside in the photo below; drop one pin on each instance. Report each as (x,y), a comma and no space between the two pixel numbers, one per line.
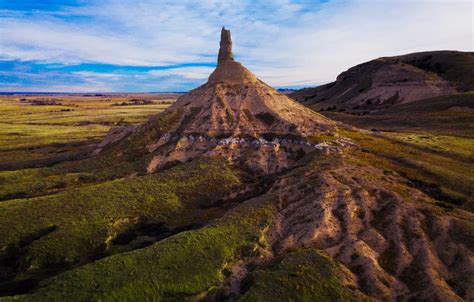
(381,83)
(236,192)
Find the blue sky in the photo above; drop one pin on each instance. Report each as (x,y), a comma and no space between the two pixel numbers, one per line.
(128,45)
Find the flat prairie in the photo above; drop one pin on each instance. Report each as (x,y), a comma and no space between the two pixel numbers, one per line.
(39,129)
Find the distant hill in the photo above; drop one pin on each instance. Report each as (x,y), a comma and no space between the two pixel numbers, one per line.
(286,90)
(446,115)
(381,83)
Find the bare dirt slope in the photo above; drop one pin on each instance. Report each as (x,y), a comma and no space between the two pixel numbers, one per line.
(393,238)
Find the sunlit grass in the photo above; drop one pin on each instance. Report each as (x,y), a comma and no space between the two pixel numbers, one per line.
(24,125)
(443,143)
(448,177)
(81,219)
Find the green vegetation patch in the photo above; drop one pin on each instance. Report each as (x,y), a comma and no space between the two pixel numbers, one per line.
(82,219)
(445,177)
(39,181)
(183,267)
(303,275)
(323,137)
(23,125)
(461,147)
(37,136)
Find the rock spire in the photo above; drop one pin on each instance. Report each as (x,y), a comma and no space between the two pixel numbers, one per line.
(235,116)
(225,50)
(228,70)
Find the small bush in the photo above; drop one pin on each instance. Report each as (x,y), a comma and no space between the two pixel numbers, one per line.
(267,118)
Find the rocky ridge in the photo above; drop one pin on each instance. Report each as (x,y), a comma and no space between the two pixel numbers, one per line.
(383,82)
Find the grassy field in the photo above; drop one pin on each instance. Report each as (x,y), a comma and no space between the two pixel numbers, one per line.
(35,137)
(301,275)
(451,115)
(30,132)
(442,170)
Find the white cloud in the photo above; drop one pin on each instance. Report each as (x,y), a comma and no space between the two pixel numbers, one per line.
(99,75)
(345,34)
(74,88)
(200,73)
(283,42)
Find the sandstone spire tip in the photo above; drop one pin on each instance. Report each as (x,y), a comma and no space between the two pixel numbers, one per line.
(225,50)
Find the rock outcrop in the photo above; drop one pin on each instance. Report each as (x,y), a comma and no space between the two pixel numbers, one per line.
(228,70)
(115,134)
(239,117)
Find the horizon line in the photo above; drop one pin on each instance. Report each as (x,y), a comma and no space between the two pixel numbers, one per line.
(123,92)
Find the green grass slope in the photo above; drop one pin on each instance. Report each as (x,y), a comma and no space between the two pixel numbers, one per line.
(187,266)
(44,235)
(303,275)
(446,176)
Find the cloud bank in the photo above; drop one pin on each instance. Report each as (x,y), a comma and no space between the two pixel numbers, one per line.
(113,45)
